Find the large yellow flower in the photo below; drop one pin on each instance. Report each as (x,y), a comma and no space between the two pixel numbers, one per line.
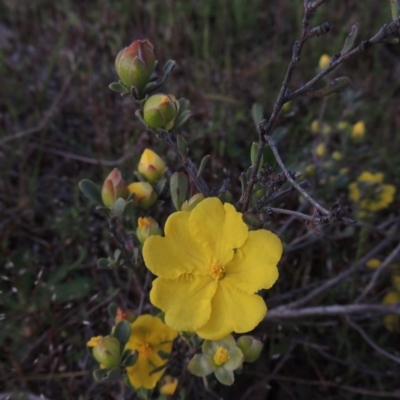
(153,341)
(370,192)
(209,267)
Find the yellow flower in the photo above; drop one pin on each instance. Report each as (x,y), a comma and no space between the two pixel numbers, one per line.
(209,267)
(337,156)
(315,126)
(373,263)
(324,61)
(152,339)
(151,166)
(343,126)
(370,192)
(320,150)
(392,321)
(358,130)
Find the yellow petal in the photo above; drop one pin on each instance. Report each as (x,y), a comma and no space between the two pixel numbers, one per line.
(218,227)
(186,300)
(253,267)
(177,252)
(232,311)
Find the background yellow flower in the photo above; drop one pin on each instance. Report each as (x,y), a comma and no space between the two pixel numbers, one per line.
(209,267)
(153,341)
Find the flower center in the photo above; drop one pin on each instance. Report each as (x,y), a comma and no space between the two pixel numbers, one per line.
(216,270)
(221,356)
(145,349)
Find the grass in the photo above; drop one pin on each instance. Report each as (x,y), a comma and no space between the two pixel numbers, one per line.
(230,54)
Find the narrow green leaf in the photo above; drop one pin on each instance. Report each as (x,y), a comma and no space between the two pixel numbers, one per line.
(257,114)
(122,332)
(91,191)
(118,87)
(203,164)
(112,310)
(179,188)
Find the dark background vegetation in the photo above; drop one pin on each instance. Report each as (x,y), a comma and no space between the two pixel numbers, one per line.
(60,123)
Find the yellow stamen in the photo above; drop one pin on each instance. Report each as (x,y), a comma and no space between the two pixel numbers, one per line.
(145,349)
(221,356)
(216,270)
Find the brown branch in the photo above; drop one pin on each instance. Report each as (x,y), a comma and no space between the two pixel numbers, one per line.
(378,349)
(377,272)
(47,115)
(331,310)
(324,287)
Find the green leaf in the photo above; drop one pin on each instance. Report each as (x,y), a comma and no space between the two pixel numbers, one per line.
(179,188)
(203,164)
(163,355)
(73,290)
(103,263)
(181,118)
(130,359)
(169,65)
(118,87)
(91,191)
(105,375)
(350,39)
(122,332)
(119,207)
(257,114)
(112,310)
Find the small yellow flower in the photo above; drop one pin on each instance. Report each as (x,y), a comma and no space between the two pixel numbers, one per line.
(324,61)
(358,130)
(315,126)
(343,171)
(370,192)
(310,170)
(168,385)
(337,156)
(321,150)
(343,126)
(152,339)
(392,321)
(209,267)
(151,166)
(373,263)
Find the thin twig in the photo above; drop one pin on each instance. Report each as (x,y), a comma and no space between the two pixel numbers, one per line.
(331,310)
(324,287)
(377,272)
(371,342)
(47,115)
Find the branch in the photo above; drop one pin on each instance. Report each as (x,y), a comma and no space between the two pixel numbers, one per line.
(331,310)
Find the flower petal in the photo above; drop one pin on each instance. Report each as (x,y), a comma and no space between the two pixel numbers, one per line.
(177,252)
(224,376)
(232,311)
(253,266)
(186,300)
(218,227)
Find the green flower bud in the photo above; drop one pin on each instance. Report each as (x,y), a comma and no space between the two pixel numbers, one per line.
(106,351)
(135,64)
(147,227)
(251,348)
(160,110)
(151,166)
(114,187)
(145,196)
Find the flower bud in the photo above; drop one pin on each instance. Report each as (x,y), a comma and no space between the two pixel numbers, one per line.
(151,166)
(358,130)
(106,351)
(124,315)
(251,348)
(147,227)
(168,385)
(159,110)
(145,196)
(324,61)
(114,187)
(135,64)
(188,205)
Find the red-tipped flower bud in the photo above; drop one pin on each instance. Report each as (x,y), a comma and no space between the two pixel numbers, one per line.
(159,110)
(114,187)
(135,64)
(147,227)
(145,196)
(106,351)
(151,166)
